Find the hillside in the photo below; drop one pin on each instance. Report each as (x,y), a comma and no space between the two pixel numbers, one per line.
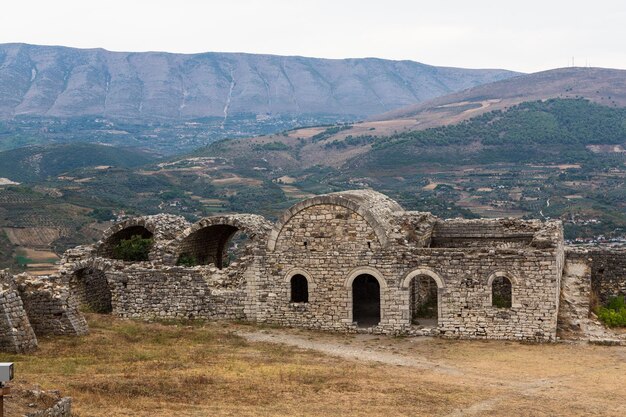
(556,158)
(562,159)
(599,85)
(36,163)
(67,82)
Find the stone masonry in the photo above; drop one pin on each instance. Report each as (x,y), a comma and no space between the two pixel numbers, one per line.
(16,333)
(36,306)
(364,259)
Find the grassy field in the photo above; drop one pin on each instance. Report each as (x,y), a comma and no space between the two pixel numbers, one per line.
(128,368)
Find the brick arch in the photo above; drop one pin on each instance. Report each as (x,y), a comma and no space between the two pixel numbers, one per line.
(337,200)
(218,231)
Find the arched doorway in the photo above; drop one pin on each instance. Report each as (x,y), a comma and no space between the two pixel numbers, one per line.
(91,289)
(424,301)
(366,300)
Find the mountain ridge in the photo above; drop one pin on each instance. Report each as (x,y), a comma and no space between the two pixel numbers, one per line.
(606,86)
(63,81)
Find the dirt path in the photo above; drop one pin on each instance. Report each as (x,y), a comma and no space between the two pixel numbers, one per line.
(357,349)
(349,352)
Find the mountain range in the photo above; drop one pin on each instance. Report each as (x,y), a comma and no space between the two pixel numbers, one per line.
(53,81)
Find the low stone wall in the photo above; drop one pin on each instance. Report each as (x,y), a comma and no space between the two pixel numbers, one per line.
(177,293)
(63,408)
(458,233)
(50,307)
(16,333)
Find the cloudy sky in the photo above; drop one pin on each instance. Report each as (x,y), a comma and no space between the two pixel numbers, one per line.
(530,35)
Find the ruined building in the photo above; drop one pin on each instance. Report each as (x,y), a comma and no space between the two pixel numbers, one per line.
(352,261)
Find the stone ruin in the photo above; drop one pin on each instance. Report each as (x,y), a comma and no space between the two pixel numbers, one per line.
(34,307)
(352,261)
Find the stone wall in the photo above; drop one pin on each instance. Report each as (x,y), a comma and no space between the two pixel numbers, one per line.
(91,289)
(332,244)
(16,333)
(591,276)
(608,273)
(332,240)
(459,233)
(63,408)
(50,306)
(175,292)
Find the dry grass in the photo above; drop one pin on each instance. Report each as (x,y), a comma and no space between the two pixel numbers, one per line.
(126,368)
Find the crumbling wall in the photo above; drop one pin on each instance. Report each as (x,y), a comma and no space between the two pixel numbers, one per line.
(460,233)
(62,408)
(91,289)
(16,333)
(162,228)
(175,292)
(608,272)
(50,306)
(584,287)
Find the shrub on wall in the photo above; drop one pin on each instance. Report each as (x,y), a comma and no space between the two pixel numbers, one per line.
(187,260)
(614,313)
(134,249)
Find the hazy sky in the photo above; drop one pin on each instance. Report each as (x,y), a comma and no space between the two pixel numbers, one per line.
(529,35)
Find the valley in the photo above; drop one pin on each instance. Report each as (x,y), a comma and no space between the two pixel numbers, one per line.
(503,154)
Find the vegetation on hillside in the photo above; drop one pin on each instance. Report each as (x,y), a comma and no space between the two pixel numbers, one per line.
(551,122)
(532,161)
(34,163)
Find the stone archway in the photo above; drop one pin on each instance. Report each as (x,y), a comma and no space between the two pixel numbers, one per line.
(366,305)
(91,289)
(219,240)
(424,301)
(425,288)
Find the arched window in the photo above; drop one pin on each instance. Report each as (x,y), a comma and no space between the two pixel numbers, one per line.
(299,289)
(501,292)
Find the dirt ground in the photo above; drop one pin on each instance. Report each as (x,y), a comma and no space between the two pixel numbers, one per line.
(129,368)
